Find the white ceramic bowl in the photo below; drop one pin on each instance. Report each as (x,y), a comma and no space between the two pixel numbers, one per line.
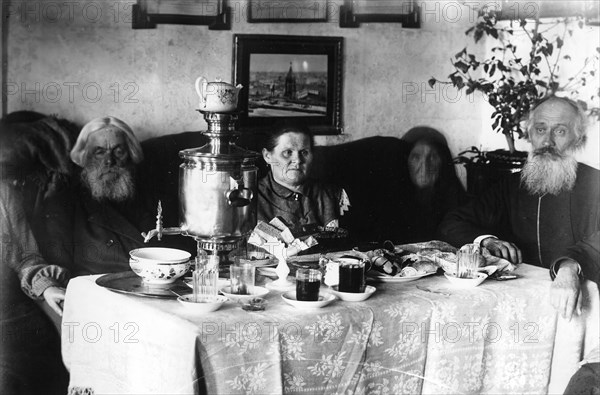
(353,296)
(159,254)
(157,265)
(256,292)
(324,299)
(205,304)
(466,282)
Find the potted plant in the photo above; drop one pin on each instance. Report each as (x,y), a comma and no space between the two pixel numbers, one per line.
(522,68)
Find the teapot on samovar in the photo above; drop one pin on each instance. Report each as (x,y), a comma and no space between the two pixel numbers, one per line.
(217,96)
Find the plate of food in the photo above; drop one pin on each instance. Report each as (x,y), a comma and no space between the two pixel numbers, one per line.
(393,269)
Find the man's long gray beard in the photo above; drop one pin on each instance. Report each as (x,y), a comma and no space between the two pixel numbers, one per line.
(117,187)
(549,172)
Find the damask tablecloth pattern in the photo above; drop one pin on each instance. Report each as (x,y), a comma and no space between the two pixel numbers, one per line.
(419,337)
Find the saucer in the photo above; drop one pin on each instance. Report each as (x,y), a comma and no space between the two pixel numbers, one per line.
(205,304)
(458,282)
(324,299)
(257,292)
(353,296)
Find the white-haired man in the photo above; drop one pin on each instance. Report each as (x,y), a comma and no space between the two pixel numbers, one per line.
(548,215)
(91,228)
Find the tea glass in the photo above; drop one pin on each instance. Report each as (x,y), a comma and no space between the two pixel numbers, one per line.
(205,277)
(241,276)
(351,275)
(308,282)
(467,264)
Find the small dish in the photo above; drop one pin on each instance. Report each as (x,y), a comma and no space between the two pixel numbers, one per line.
(257,292)
(353,296)
(324,299)
(466,282)
(489,270)
(205,304)
(254,304)
(221,282)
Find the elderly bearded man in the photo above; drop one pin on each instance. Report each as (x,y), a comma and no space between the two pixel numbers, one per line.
(548,216)
(91,228)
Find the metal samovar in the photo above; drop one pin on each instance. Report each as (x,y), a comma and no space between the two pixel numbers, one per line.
(217,191)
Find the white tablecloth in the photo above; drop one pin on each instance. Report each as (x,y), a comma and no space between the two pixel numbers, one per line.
(501,337)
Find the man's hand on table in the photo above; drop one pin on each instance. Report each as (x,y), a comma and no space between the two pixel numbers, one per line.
(55,297)
(503,249)
(565,291)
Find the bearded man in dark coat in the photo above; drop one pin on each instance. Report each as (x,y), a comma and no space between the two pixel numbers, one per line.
(91,228)
(548,215)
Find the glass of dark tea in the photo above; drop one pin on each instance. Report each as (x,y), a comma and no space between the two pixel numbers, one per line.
(352,275)
(308,282)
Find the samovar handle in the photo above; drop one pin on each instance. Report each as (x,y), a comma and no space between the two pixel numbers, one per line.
(239,197)
(201,85)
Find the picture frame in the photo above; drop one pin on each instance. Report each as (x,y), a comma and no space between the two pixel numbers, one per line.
(297,11)
(146,14)
(287,77)
(355,12)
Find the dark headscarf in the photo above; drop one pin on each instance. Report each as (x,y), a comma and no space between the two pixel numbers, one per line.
(430,205)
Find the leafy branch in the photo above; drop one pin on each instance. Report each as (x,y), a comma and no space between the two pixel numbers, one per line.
(513,83)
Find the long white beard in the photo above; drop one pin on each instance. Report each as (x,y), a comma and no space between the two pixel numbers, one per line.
(115,184)
(548,172)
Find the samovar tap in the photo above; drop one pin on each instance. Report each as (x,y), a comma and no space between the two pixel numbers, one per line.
(159,231)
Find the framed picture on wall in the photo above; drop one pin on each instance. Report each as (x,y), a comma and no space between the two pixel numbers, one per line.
(289,77)
(146,14)
(287,11)
(355,12)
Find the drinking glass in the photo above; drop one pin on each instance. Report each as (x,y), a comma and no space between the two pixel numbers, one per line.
(308,282)
(352,275)
(241,276)
(467,263)
(205,276)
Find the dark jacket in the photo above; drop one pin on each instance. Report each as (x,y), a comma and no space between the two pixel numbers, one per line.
(316,204)
(568,224)
(91,237)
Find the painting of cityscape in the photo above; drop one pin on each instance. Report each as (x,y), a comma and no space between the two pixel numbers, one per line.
(287,85)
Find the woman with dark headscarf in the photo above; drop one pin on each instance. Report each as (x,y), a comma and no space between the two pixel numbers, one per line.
(435,189)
